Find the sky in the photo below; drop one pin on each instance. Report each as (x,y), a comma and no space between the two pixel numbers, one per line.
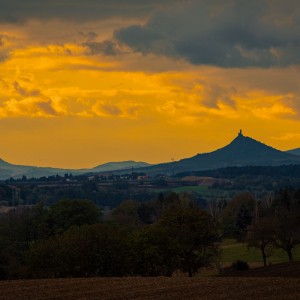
(85,82)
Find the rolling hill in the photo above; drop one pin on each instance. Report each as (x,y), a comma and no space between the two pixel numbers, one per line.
(8,170)
(294,151)
(119,165)
(242,151)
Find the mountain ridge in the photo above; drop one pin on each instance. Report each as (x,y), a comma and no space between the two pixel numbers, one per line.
(8,170)
(295,151)
(241,151)
(120,165)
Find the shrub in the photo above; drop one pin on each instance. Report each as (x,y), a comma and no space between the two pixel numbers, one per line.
(240,265)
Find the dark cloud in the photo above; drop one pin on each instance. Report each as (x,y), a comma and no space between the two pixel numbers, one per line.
(4,53)
(236,33)
(3,57)
(43,102)
(212,95)
(47,107)
(141,38)
(105,47)
(26,92)
(110,109)
(89,36)
(86,10)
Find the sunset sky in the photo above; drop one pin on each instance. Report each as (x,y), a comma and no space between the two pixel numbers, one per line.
(84,82)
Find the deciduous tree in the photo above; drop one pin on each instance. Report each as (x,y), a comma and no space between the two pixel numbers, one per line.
(195,234)
(261,235)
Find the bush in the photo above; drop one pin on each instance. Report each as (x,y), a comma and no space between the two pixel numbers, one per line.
(240,265)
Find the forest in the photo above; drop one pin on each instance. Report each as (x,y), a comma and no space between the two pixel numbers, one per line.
(159,237)
(109,190)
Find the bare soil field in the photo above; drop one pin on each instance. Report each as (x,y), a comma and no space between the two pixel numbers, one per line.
(152,288)
(277,270)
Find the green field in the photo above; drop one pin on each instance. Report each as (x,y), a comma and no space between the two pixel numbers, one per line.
(203,191)
(233,251)
(197,189)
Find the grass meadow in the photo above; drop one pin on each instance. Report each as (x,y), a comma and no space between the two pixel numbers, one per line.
(233,251)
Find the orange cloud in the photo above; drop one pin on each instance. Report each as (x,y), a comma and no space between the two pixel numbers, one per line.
(155,107)
(28,107)
(94,86)
(108,109)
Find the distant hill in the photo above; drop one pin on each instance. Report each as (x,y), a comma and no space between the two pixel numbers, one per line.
(119,166)
(242,151)
(8,170)
(294,151)
(286,171)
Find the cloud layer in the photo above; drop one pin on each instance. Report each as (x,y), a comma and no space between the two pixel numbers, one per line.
(80,80)
(15,11)
(235,33)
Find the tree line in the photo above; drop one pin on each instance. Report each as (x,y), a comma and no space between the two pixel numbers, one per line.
(269,223)
(76,238)
(73,238)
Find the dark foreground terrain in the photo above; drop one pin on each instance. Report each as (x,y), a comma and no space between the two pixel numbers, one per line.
(276,270)
(153,288)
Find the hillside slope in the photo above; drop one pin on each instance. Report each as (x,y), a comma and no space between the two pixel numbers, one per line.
(8,170)
(294,151)
(242,151)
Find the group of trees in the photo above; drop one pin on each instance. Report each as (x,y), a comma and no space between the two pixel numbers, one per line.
(266,224)
(111,195)
(184,239)
(258,179)
(71,239)
(23,227)
(276,224)
(154,238)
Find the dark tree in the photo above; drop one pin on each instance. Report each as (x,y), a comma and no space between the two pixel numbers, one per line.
(154,252)
(195,234)
(261,235)
(287,231)
(286,206)
(237,215)
(126,214)
(66,213)
(26,225)
(89,250)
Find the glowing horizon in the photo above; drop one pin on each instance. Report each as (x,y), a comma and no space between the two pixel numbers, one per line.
(90,83)
(153,162)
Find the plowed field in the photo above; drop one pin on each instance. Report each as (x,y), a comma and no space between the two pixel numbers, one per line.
(152,288)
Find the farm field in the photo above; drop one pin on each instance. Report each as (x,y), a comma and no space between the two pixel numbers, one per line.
(203,191)
(152,288)
(287,270)
(233,251)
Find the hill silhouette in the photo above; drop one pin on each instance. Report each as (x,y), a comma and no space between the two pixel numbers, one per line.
(294,151)
(242,151)
(119,165)
(8,170)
